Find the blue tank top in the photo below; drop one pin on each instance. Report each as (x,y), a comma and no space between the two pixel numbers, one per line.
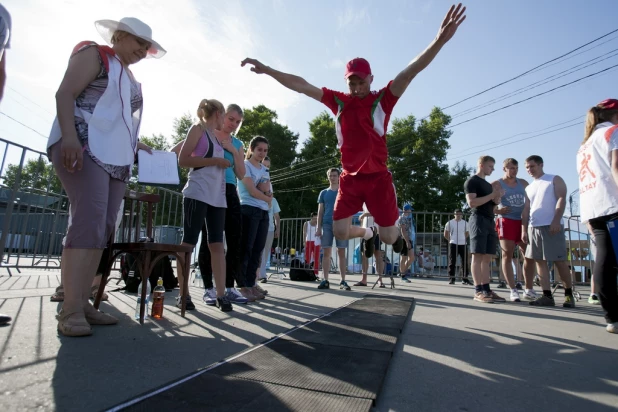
(514,198)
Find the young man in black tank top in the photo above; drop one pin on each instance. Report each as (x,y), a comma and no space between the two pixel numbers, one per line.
(482,198)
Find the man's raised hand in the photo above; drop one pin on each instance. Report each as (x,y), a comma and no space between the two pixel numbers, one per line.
(258,67)
(451,22)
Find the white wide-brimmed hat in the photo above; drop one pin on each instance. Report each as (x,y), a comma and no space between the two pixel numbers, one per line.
(136,27)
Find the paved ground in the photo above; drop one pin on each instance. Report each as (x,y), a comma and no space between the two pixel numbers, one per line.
(454,354)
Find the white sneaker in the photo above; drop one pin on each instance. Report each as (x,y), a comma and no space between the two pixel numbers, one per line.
(515,296)
(235,296)
(530,294)
(612,327)
(210,297)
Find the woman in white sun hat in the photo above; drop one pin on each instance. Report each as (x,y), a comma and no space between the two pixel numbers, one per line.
(92,146)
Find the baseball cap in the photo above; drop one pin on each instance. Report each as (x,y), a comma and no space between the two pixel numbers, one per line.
(407,207)
(357,67)
(609,104)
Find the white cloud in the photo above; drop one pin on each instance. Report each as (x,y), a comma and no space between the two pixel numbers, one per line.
(353,16)
(205,46)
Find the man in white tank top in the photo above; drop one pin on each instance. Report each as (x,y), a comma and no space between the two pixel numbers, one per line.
(543,230)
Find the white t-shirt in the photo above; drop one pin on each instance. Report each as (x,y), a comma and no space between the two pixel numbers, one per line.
(457,231)
(310,234)
(274,208)
(542,201)
(598,192)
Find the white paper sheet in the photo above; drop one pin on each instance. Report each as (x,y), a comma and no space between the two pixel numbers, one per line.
(160,167)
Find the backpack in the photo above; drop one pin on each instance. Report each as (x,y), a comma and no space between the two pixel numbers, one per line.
(300,272)
(132,278)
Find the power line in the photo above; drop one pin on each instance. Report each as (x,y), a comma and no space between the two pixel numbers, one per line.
(534,96)
(486,148)
(541,82)
(317,164)
(530,70)
(33,102)
(26,126)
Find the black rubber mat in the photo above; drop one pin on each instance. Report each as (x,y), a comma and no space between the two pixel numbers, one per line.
(210,392)
(313,366)
(328,333)
(337,363)
(383,305)
(362,318)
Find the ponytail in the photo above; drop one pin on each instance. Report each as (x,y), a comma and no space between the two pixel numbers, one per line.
(602,112)
(207,108)
(592,119)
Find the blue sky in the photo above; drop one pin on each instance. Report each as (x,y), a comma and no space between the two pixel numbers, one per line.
(207,40)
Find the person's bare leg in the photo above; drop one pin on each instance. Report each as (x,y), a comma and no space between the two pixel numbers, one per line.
(529,273)
(218,266)
(486,269)
(543,271)
(564,273)
(344,230)
(326,262)
(342,262)
(476,266)
(365,267)
(379,264)
(508,247)
(389,234)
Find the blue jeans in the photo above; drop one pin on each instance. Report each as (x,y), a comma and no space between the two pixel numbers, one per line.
(328,236)
(253,239)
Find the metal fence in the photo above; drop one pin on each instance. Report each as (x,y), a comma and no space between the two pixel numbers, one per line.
(33,222)
(430,237)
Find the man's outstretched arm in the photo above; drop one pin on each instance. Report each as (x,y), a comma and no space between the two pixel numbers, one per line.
(292,82)
(451,22)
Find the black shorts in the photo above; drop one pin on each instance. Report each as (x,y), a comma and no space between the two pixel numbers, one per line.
(405,250)
(194,213)
(483,237)
(376,241)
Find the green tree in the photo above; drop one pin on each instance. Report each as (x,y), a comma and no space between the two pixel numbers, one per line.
(318,154)
(453,195)
(36,174)
(182,125)
(262,121)
(417,154)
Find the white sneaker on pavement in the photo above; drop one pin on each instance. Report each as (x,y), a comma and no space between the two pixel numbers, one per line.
(515,296)
(210,297)
(530,294)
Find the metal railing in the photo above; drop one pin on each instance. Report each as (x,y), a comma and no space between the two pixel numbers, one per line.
(34,218)
(430,236)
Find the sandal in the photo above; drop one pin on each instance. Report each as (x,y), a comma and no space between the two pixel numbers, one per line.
(360,284)
(95,317)
(58,295)
(94,290)
(71,325)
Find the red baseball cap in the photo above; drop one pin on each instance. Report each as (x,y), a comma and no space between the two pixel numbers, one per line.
(357,67)
(609,104)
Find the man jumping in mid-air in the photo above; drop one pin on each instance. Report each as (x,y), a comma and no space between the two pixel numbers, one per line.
(362,118)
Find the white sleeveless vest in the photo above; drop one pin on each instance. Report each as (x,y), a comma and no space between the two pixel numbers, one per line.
(112,129)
